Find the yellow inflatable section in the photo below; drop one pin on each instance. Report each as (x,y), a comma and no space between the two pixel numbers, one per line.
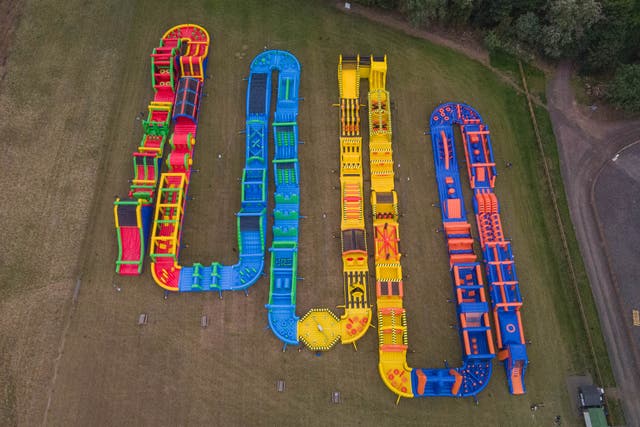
(392,320)
(320,329)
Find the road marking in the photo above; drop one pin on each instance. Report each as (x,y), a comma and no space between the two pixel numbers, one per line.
(636,317)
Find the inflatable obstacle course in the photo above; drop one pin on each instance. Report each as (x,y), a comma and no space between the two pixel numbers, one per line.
(320,329)
(133,214)
(283,271)
(500,269)
(251,219)
(472,307)
(178,73)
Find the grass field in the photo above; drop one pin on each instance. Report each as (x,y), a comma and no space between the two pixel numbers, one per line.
(77,77)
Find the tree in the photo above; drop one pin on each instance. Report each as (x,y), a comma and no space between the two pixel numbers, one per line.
(567,22)
(624,89)
(459,12)
(614,39)
(487,14)
(426,12)
(527,29)
(384,4)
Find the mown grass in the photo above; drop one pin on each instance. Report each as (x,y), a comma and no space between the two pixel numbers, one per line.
(174,372)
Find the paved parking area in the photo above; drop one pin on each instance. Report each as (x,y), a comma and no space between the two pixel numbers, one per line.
(617,201)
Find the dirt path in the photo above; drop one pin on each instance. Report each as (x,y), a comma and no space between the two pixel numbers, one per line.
(585,147)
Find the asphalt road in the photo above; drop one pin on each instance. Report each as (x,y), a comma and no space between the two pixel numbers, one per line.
(596,189)
(616,195)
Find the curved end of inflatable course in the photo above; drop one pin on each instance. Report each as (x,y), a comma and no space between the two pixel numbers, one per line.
(395,373)
(476,375)
(275,59)
(354,324)
(166,275)
(188,32)
(249,270)
(284,323)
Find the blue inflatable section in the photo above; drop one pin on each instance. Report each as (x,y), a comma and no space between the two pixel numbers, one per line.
(500,266)
(286,172)
(146,214)
(252,217)
(475,372)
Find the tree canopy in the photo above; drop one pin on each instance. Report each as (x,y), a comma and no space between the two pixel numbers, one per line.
(598,34)
(624,89)
(601,36)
